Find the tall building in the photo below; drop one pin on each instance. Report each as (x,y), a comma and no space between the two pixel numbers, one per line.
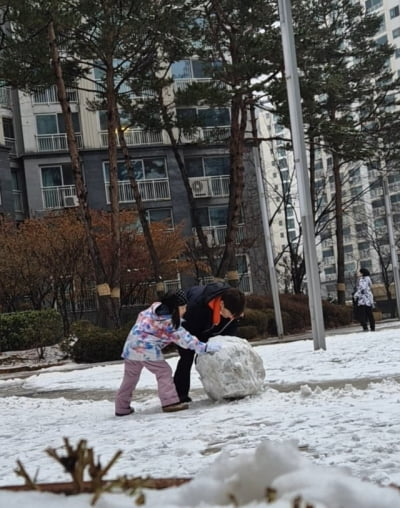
(365,226)
(36,175)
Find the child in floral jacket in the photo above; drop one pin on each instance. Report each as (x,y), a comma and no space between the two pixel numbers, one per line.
(155,328)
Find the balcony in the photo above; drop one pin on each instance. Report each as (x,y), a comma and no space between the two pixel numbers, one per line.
(55,142)
(210,186)
(59,197)
(18,201)
(135,137)
(50,95)
(216,235)
(150,190)
(5,96)
(10,143)
(208,134)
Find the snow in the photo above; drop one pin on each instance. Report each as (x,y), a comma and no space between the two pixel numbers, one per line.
(235,371)
(325,427)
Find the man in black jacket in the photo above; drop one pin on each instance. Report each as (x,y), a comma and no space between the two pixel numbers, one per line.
(212,310)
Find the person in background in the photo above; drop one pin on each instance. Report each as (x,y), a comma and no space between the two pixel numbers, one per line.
(364,300)
(155,328)
(212,310)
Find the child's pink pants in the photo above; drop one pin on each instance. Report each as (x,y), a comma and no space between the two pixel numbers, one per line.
(163,372)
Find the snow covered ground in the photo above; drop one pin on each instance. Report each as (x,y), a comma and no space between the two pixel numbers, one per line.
(325,427)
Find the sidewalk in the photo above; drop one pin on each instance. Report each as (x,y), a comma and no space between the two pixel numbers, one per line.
(27,363)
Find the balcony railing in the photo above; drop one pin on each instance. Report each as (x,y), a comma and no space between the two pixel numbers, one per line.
(55,142)
(150,190)
(216,235)
(55,196)
(135,137)
(208,134)
(10,143)
(18,201)
(5,96)
(210,186)
(50,95)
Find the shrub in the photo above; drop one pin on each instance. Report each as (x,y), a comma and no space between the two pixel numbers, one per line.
(94,344)
(30,329)
(248,332)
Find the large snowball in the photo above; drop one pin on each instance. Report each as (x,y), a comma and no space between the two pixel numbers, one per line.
(233,372)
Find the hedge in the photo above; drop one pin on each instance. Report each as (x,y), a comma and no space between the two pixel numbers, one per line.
(30,329)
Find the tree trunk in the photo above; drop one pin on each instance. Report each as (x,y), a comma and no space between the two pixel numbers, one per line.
(105,312)
(112,127)
(236,185)
(341,286)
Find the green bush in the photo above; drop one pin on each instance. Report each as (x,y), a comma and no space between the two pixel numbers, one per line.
(30,329)
(248,332)
(94,344)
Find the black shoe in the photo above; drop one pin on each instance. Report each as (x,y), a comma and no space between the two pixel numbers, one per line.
(131,410)
(185,399)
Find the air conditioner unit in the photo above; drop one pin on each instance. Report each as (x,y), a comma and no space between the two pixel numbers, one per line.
(200,187)
(71,201)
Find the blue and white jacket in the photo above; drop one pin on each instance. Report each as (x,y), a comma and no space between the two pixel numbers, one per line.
(152,332)
(363,293)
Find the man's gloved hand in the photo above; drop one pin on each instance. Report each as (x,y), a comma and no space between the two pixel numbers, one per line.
(213,348)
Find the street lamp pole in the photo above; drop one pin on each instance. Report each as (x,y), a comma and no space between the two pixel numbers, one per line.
(303,182)
(268,241)
(392,244)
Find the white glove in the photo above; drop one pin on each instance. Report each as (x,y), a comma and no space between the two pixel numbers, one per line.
(213,348)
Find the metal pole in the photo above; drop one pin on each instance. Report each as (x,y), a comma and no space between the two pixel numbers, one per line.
(303,182)
(392,244)
(268,242)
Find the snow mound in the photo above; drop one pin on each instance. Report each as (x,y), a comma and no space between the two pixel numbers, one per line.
(234,372)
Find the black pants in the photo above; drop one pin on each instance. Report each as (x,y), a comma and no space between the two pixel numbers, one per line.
(365,315)
(182,373)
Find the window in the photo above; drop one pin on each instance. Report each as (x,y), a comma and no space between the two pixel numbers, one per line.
(144,169)
(382,40)
(394,12)
(160,215)
(207,166)
(210,117)
(371,5)
(8,128)
(327,253)
(57,176)
(54,124)
(396,33)
(330,270)
(192,69)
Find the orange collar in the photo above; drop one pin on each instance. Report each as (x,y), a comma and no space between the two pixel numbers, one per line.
(215,306)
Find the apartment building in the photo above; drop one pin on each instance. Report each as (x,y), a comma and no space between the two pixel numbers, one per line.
(365,218)
(36,175)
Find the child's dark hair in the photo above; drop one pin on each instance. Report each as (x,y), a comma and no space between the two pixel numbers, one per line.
(173,300)
(234,300)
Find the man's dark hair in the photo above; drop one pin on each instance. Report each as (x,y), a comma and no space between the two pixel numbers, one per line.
(364,272)
(234,300)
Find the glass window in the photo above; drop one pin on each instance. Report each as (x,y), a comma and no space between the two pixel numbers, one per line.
(181,69)
(394,12)
(154,169)
(194,167)
(218,216)
(46,124)
(327,253)
(8,128)
(396,33)
(214,166)
(54,124)
(149,169)
(214,117)
(160,215)
(56,176)
(207,166)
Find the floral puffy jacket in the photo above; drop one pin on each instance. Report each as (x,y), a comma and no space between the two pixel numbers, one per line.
(363,293)
(152,332)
